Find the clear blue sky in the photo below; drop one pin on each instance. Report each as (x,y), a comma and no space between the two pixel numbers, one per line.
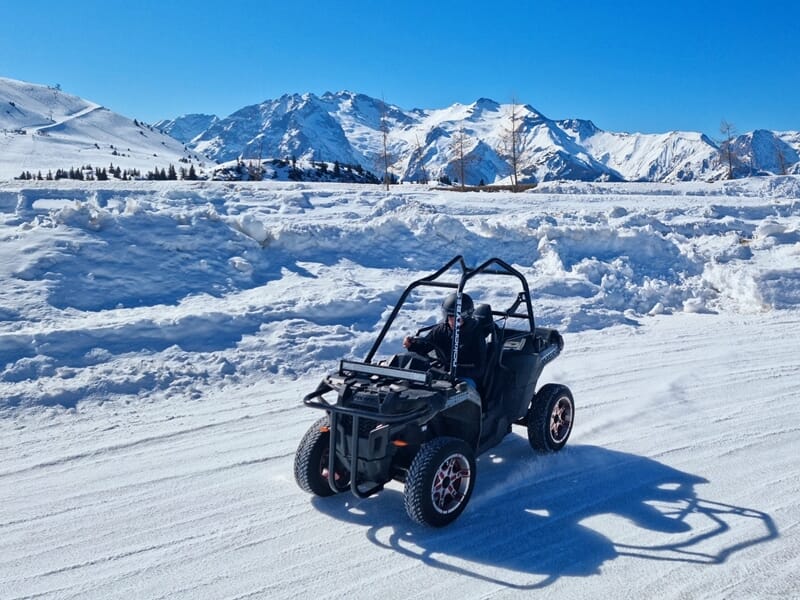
(640,65)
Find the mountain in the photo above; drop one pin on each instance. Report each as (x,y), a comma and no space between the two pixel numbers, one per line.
(43,129)
(768,152)
(187,127)
(349,128)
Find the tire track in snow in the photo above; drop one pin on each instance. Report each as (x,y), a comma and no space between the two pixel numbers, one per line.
(628,500)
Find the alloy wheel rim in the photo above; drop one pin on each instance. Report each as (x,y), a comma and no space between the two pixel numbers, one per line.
(561,420)
(451,483)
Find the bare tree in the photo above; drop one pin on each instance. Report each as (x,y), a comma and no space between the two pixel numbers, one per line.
(387,159)
(459,146)
(729,131)
(511,144)
(418,155)
(255,169)
(780,156)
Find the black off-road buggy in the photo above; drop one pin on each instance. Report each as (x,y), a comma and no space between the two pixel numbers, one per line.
(410,420)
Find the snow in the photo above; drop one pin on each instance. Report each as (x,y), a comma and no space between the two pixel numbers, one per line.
(43,129)
(156,339)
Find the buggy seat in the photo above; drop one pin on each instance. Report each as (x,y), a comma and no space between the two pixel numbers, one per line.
(483,314)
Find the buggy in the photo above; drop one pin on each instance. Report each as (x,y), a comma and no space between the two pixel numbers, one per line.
(411,419)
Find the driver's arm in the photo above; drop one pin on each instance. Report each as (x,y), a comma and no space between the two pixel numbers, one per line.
(436,337)
(418,345)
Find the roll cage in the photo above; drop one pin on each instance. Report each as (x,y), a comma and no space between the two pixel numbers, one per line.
(521,308)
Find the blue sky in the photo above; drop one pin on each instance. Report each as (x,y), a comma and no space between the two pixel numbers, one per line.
(634,66)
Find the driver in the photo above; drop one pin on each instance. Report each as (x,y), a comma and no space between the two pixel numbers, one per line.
(472,343)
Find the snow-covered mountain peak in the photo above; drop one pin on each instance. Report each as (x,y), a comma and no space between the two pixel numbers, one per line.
(581,128)
(485,105)
(349,127)
(187,127)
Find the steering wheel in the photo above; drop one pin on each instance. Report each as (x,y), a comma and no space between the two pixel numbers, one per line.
(441,360)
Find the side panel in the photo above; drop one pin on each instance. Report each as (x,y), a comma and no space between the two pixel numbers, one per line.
(524,368)
(463,420)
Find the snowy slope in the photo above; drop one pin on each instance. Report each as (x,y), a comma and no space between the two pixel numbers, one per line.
(45,129)
(156,339)
(674,156)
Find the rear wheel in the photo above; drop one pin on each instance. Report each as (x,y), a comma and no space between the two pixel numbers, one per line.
(550,418)
(440,481)
(311,461)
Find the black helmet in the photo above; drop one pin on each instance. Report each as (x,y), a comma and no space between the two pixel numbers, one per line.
(449,305)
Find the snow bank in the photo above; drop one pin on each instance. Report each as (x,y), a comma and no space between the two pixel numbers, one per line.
(162,288)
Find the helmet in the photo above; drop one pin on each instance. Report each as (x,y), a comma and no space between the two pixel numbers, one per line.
(449,305)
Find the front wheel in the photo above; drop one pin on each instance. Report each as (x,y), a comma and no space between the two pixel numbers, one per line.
(311,461)
(440,481)
(550,418)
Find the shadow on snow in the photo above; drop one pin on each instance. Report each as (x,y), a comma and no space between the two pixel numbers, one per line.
(535,519)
